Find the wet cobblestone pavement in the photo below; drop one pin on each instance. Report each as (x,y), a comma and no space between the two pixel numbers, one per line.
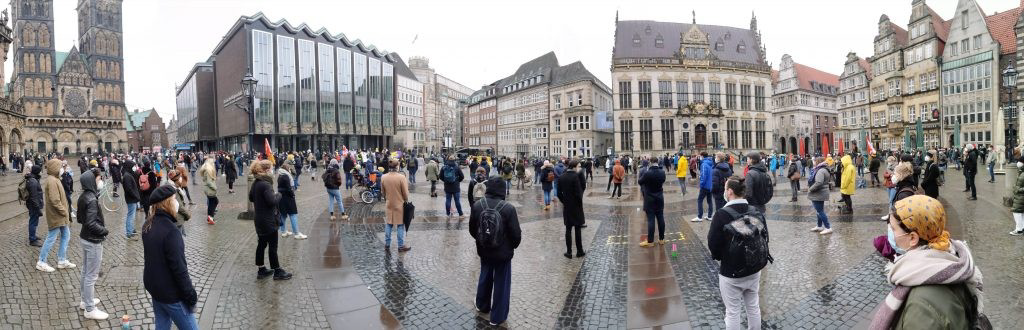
(345,279)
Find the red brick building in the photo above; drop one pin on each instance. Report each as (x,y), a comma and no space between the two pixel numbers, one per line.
(146,131)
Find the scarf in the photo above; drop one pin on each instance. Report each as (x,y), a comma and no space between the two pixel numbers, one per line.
(814,172)
(924,266)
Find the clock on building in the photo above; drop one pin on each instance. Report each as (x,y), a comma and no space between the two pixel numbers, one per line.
(74,102)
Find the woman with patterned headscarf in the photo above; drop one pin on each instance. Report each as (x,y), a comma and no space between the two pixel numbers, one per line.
(937,285)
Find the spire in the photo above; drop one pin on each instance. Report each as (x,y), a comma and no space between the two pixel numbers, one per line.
(617,15)
(694,13)
(753,21)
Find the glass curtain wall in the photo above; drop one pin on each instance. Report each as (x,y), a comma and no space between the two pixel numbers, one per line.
(361,92)
(345,91)
(307,87)
(263,72)
(328,120)
(286,88)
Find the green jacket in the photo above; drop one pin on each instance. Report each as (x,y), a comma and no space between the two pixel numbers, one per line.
(936,307)
(1018,195)
(431,172)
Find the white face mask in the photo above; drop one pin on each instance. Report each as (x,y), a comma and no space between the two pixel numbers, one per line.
(927,158)
(135,168)
(99,184)
(1020,164)
(174,205)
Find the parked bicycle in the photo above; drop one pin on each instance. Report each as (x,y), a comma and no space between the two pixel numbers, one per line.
(108,200)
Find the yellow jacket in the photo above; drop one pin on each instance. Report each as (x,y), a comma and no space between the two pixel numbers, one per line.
(682,167)
(829,161)
(847,184)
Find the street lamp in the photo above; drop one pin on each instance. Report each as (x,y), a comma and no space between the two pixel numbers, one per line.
(249,91)
(1010,117)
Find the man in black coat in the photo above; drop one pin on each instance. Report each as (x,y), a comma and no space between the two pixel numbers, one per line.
(651,182)
(451,189)
(348,165)
(738,276)
(571,185)
(132,196)
(971,170)
(758,182)
(930,180)
(93,233)
(494,288)
(873,168)
(34,203)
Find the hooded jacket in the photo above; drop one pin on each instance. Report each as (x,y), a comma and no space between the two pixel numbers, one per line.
(88,213)
(35,191)
(758,184)
(848,185)
(286,205)
(431,171)
(452,187)
(130,183)
(682,167)
(818,191)
(55,202)
(721,172)
(510,224)
(706,166)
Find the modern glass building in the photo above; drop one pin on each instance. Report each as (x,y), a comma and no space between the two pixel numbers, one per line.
(315,90)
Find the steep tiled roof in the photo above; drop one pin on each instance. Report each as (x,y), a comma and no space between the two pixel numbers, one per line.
(901,34)
(540,65)
(864,64)
(135,119)
(775,76)
(649,31)
(806,75)
(940,26)
(1000,25)
(574,72)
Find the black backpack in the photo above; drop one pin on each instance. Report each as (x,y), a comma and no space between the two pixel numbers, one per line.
(490,232)
(749,244)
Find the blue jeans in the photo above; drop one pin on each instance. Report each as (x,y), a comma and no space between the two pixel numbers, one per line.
(387,235)
(33,222)
(536,176)
(547,197)
(682,185)
(819,206)
(284,222)
(296,179)
(554,188)
(495,282)
(448,202)
(182,317)
(348,180)
(660,215)
(62,250)
(992,171)
(129,219)
(705,194)
(412,176)
(334,195)
(892,193)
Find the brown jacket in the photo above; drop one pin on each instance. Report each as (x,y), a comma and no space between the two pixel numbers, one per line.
(56,209)
(618,172)
(396,190)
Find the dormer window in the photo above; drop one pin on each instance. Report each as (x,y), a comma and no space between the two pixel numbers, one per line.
(741,48)
(719,46)
(636,40)
(647,30)
(659,42)
(728,35)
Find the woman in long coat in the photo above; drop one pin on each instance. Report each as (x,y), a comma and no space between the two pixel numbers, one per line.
(395,187)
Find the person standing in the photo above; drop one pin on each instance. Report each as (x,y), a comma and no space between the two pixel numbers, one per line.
(176,178)
(264,201)
(58,219)
(547,182)
(476,189)
(115,174)
(722,172)
(1018,201)
(348,165)
(68,182)
(681,168)
(230,174)
(286,206)
(759,183)
(817,192)
(147,183)
(395,187)
(165,272)
(970,171)
(847,185)
(432,174)
(990,160)
(738,237)
(34,203)
(507,173)
(412,166)
(92,235)
(332,182)
(930,180)
(451,175)
(573,217)
(132,197)
(873,166)
(651,182)
(208,173)
(494,225)
(794,179)
(706,185)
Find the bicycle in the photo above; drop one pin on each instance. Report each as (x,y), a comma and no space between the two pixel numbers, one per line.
(107,199)
(370,195)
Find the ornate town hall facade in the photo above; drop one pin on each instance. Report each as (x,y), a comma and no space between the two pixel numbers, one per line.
(73,101)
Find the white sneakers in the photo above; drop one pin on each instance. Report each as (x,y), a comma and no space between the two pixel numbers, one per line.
(95,301)
(45,267)
(65,264)
(817,229)
(300,236)
(697,219)
(826,231)
(96,314)
(885,217)
(286,234)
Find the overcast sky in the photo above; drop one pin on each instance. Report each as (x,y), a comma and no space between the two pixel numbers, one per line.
(478,42)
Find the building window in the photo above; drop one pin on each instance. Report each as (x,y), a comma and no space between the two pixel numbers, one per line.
(668,131)
(286,84)
(714,91)
(977,42)
(558,101)
(625,95)
(760,134)
(665,94)
(626,134)
(746,129)
(963,19)
(682,94)
(698,91)
(686,139)
(730,96)
(646,134)
(759,98)
(730,134)
(558,125)
(744,97)
(645,94)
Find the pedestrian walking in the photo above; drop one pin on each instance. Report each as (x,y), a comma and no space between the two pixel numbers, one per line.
(547,180)
(412,166)
(58,219)
(286,206)
(817,192)
(873,166)
(208,174)
(847,187)
(165,272)
(451,175)
(651,182)
(738,238)
(264,201)
(571,195)
(332,183)
(706,185)
(936,282)
(395,187)
(793,174)
(432,174)
(759,183)
(31,192)
(494,225)
(617,176)
(92,235)
(971,171)
(682,167)
(230,174)
(132,197)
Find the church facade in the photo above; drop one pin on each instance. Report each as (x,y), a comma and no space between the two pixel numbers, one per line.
(73,100)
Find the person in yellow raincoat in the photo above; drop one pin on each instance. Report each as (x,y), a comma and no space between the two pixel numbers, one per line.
(681,168)
(848,183)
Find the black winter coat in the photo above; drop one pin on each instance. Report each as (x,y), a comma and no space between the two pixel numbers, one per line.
(35,196)
(719,174)
(971,163)
(88,213)
(651,182)
(67,182)
(510,224)
(165,274)
(451,187)
(758,185)
(115,173)
(286,205)
(719,240)
(930,182)
(570,193)
(875,163)
(131,186)
(264,203)
(230,171)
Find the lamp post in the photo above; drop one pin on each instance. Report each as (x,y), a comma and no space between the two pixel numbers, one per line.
(1009,76)
(249,91)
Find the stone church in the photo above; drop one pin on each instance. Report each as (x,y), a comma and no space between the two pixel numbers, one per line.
(73,100)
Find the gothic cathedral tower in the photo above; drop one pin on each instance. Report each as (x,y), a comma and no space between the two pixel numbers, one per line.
(101,40)
(33,76)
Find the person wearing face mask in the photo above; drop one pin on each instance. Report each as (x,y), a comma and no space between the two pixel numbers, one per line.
(930,181)
(68,182)
(937,285)
(264,201)
(132,197)
(92,236)
(1018,201)
(970,171)
(165,272)
(476,192)
(176,178)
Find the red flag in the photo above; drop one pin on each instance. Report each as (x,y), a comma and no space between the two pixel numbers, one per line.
(824,145)
(871,147)
(269,152)
(841,146)
(802,147)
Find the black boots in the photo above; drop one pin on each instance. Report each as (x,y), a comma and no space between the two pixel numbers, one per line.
(280,275)
(263,272)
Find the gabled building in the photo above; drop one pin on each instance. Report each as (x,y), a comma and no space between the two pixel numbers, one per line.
(853,100)
(580,112)
(804,109)
(886,85)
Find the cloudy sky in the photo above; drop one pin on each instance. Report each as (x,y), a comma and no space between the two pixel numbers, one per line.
(478,42)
